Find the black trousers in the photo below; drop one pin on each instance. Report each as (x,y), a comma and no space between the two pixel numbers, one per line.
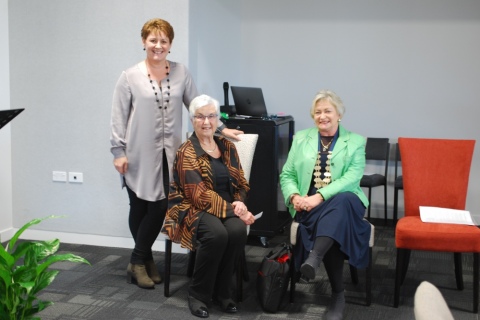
(146,219)
(220,243)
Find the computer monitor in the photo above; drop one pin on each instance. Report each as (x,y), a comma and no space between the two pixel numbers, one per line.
(249,101)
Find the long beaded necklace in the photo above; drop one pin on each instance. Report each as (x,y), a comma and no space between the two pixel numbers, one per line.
(167,67)
(318,181)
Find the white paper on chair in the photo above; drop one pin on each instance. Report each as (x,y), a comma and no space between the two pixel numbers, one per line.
(258,215)
(445,215)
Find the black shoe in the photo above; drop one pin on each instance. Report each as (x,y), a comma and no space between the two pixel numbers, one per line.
(227,305)
(308,271)
(197,307)
(310,265)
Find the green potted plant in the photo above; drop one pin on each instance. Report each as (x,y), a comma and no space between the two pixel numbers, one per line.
(24,273)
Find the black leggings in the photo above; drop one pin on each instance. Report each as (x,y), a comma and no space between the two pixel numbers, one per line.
(146,219)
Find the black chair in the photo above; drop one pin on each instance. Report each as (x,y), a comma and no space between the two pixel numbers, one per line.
(398,185)
(294,276)
(376,149)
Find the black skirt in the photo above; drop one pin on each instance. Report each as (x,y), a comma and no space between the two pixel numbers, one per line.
(340,218)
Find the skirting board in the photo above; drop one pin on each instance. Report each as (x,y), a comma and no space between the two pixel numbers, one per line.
(88,239)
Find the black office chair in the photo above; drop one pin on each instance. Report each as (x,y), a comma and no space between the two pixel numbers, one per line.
(398,185)
(376,149)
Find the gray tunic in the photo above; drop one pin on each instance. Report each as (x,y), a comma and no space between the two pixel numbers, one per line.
(143,128)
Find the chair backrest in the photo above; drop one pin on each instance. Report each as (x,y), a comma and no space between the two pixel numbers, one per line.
(246,150)
(378,149)
(435,172)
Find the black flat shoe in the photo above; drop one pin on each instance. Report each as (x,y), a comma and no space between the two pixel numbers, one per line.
(227,305)
(308,271)
(310,265)
(197,307)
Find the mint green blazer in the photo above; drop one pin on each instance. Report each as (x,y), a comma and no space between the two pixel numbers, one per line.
(347,166)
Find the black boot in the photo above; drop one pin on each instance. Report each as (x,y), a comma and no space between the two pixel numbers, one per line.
(310,265)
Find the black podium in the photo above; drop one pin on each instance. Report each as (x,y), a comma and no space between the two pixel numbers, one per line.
(274,141)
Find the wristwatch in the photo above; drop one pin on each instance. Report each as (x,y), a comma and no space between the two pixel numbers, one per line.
(221,127)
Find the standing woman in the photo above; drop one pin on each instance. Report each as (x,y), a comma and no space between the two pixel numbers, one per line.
(321,184)
(146,128)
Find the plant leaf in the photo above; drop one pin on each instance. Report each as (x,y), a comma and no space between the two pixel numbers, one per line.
(40,250)
(6,279)
(24,274)
(6,259)
(17,234)
(37,308)
(43,280)
(60,257)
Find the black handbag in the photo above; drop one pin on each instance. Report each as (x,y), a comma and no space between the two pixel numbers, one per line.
(273,276)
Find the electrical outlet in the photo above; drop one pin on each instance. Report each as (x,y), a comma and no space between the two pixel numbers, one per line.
(59,176)
(76,177)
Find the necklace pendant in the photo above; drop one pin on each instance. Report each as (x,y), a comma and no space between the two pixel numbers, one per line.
(324,149)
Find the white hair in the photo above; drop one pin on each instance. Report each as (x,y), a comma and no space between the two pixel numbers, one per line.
(202,101)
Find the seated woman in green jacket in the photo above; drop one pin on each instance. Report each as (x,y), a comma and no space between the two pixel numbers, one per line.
(321,184)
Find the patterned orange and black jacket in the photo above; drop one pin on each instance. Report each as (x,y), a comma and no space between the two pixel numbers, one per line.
(192,189)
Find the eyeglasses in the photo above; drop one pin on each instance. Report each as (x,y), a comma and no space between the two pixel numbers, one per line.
(201,117)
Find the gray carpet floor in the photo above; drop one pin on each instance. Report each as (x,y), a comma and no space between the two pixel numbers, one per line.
(100,291)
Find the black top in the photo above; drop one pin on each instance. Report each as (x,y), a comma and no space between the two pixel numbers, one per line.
(221,176)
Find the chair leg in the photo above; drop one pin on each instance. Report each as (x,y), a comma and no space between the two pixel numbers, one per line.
(353,274)
(292,276)
(368,285)
(406,262)
(385,201)
(476,280)
(457,258)
(403,257)
(395,206)
(191,263)
(369,201)
(168,264)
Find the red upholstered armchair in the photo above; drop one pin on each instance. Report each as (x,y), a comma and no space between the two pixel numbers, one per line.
(435,173)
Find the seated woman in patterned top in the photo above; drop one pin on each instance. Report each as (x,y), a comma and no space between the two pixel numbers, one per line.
(206,209)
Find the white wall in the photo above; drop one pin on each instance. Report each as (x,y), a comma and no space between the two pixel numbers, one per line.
(66,57)
(5,135)
(403,69)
